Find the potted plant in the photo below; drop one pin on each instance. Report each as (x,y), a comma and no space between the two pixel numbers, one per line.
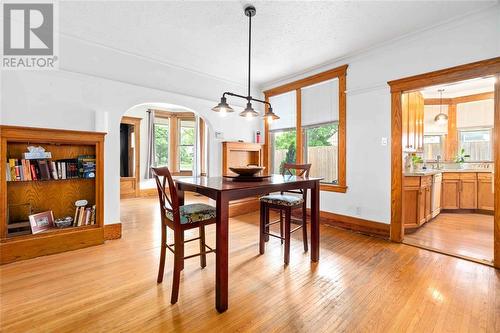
(460,158)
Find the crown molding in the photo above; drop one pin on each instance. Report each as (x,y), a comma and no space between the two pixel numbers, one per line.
(365,52)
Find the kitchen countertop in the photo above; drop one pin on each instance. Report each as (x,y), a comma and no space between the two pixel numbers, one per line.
(421,173)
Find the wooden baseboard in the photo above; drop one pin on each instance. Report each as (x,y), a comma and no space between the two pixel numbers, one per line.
(243,206)
(26,248)
(149,192)
(112,231)
(366,227)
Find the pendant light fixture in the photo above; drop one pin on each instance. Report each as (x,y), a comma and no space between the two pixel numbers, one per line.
(249,112)
(441,118)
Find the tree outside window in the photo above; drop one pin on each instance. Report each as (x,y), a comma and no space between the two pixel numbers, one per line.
(161,135)
(186,144)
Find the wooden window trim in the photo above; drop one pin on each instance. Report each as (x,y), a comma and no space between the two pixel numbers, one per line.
(340,73)
(174,136)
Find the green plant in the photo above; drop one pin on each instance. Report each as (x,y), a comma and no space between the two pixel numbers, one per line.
(290,156)
(416,159)
(461,156)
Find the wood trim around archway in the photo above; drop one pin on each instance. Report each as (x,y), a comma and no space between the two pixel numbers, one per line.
(489,67)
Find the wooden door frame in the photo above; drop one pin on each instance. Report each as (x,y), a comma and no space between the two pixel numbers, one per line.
(136,122)
(488,67)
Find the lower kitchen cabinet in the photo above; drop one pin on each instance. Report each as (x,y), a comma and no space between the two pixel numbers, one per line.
(417,200)
(450,193)
(485,194)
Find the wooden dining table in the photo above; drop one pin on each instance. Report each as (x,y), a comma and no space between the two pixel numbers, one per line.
(223,190)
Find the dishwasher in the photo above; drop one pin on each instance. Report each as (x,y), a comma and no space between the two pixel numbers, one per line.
(436,194)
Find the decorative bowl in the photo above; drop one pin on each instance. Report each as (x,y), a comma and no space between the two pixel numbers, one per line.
(247,171)
(64,222)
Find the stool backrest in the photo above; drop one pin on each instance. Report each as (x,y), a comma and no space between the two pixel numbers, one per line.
(167,194)
(301,170)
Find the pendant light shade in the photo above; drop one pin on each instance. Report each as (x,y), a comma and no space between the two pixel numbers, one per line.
(270,115)
(441,118)
(222,107)
(249,112)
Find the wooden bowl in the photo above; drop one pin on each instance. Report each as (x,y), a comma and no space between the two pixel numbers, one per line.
(246,170)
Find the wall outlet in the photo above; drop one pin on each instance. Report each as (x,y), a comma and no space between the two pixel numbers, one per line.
(383,141)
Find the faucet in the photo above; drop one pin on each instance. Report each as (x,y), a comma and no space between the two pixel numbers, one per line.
(438,157)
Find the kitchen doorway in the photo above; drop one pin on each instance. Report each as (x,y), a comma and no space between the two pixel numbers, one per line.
(464,190)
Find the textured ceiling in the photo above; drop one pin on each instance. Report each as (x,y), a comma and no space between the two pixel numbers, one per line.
(288,37)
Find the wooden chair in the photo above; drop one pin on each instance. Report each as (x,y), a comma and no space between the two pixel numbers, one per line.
(285,204)
(180,218)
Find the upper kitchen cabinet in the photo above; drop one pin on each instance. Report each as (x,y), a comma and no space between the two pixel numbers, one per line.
(413,121)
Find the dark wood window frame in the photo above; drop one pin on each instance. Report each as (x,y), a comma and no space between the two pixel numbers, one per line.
(340,73)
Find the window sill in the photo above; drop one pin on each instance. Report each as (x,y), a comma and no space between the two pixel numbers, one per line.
(333,188)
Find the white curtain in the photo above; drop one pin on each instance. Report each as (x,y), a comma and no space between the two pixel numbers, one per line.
(151,144)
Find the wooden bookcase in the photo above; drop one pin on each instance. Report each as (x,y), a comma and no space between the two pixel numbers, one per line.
(57,195)
(235,153)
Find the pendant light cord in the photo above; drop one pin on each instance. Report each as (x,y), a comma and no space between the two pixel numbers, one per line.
(249,49)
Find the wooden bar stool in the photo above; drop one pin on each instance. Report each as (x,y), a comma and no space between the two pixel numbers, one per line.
(285,204)
(180,218)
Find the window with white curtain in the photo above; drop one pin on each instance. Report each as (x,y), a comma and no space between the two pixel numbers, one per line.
(320,122)
(283,131)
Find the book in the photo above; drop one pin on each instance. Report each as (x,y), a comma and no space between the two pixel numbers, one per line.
(92,217)
(34,175)
(53,170)
(44,169)
(86,166)
(88,212)
(7,172)
(12,167)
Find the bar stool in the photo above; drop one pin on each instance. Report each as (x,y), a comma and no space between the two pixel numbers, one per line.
(285,204)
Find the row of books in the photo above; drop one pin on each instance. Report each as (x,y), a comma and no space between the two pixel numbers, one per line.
(84,216)
(23,169)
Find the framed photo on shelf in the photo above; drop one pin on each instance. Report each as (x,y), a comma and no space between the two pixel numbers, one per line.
(41,222)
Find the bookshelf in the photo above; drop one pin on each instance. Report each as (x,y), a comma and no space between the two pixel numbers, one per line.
(48,194)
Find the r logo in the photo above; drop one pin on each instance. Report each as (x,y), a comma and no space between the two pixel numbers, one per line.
(28,29)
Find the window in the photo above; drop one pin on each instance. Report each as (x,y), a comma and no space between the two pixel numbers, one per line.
(283,149)
(321,150)
(186,144)
(477,144)
(320,121)
(283,131)
(311,128)
(433,147)
(161,136)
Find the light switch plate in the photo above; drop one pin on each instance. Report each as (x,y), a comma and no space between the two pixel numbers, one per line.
(383,142)
(219,135)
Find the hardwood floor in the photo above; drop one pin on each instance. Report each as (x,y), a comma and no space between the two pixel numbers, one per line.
(468,235)
(361,283)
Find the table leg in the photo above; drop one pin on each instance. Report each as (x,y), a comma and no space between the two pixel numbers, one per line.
(315,222)
(180,195)
(221,258)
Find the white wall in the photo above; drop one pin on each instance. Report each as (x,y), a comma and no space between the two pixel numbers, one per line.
(369,103)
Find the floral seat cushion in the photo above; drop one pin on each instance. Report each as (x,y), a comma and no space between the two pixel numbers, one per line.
(281,199)
(194,213)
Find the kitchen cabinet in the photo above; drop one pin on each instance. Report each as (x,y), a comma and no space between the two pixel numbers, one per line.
(485,195)
(413,121)
(459,190)
(417,200)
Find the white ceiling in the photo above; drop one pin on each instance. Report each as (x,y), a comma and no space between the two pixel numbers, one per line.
(461,88)
(288,37)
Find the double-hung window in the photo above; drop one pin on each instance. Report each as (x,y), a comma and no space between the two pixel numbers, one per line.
(161,140)
(477,143)
(283,131)
(186,144)
(320,123)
